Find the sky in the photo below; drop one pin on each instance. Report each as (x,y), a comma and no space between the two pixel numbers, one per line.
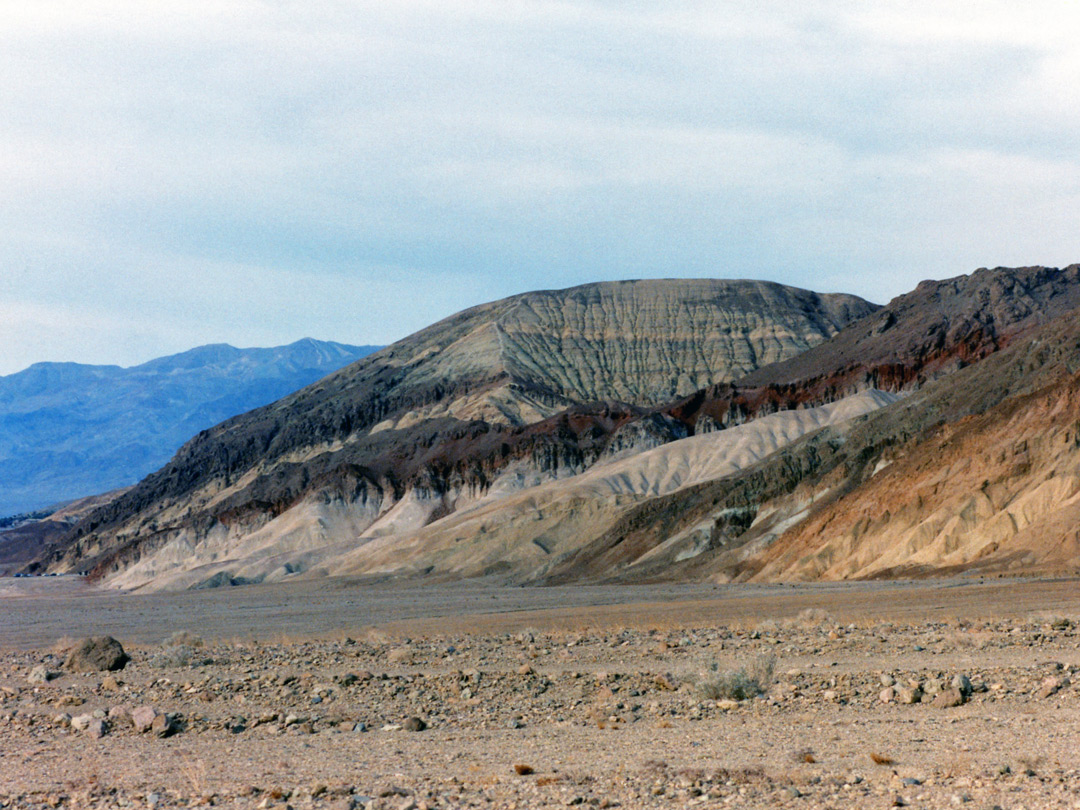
(175,174)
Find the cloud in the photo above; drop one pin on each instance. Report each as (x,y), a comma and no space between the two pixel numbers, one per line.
(255,172)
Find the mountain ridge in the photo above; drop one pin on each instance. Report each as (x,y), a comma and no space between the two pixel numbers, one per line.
(71,429)
(481,374)
(412,488)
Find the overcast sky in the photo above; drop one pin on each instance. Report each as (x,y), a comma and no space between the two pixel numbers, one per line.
(174,174)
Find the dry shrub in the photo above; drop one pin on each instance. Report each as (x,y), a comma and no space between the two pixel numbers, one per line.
(172,657)
(804,755)
(881,759)
(738,684)
(183,638)
(523,770)
(811,618)
(64,645)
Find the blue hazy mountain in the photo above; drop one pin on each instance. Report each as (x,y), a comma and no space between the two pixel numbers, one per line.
(68,430)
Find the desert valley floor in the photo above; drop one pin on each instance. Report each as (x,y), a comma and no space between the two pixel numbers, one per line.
(341,694)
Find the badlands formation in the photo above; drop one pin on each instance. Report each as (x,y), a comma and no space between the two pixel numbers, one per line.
(643,431)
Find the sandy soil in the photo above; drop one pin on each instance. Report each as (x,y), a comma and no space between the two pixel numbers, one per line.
(301,695)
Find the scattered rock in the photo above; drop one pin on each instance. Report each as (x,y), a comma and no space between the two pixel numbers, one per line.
(163,726)
(143,718)
(909,694)
(120,716)
(962,683)
(41,674)
(97,728)
(887,695)
(97,654)
(414,724)
(948,698)
(81,722)
(1051,686)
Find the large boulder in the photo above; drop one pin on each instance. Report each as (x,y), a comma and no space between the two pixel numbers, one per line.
(97,654)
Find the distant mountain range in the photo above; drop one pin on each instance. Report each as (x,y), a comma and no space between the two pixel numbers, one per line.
(69,430)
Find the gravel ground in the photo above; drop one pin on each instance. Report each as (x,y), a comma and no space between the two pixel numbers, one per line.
(598,706)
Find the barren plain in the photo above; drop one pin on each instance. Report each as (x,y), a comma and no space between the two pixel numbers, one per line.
(346,694)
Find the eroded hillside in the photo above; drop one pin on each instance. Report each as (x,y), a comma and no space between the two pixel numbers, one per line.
(413,463)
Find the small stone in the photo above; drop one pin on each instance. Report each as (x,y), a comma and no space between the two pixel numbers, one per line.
(143,718)
(120,715)
(525,669)
(948,698)
(97,728)
(414,724)
(909,694)
(887,695)
(162,726)
(887,680)
(81,722)
(666,682)
(110,683)
(360,727)
(1051,686)
(962,683)
(41,674)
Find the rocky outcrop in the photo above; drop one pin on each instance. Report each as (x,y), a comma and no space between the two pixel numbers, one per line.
(447,409)
(775,475)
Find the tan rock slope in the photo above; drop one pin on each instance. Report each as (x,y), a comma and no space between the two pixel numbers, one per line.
(998,492)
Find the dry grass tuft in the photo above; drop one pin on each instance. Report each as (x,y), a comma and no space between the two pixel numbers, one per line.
(804,755)
(881,759)
(523,770)
(64,645)
(183,638)
(738,684)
